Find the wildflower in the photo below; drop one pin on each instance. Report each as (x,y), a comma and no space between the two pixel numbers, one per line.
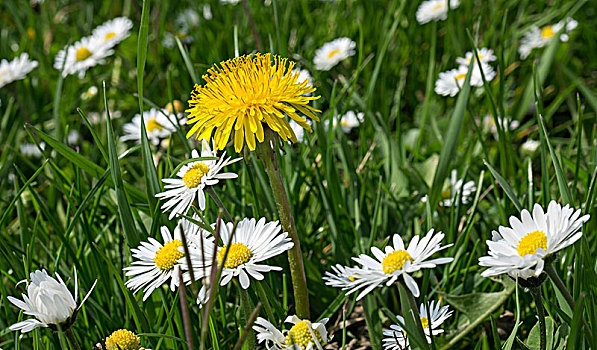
(486,56)
(455,185)
(303,335)
(435,10)
(505,123)
(16,69)
(50,301)
(530,146)
(539,37)
(112,32)
(122,339)
(207,12)
(73,137)
(82,55)
(90,93)
(192,180)
(348,121)
(521,249)
(388,266)
(32,150)
(333,52)
(159,125)
(243,94)
(449,83)
(395,337)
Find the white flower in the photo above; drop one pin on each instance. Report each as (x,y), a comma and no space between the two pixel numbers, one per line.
(539,37)
(90,93)
(304,75)
(304,335)
(331,53)
(207,12)
(252,243)
(485,56)
(31,149)
(520,250)
(396,261)
(450,82)
(16,69)
(231,2)
(530,146)
(454,186)
(82,55)
(435,10)
(341,276)
(192,180)
(112,32)
(505,123)
(73,137)
(158,263)
(187,19)
(348,121)
(159,124)
(395,337)
(49,300)
(98,117)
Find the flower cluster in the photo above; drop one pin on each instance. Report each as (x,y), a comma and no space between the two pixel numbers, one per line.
(450,82)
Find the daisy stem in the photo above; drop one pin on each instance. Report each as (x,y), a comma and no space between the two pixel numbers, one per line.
(71,338)
(295,258)
(536,293)
(245,303)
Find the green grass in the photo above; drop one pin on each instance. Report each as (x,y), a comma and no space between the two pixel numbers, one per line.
(83,206)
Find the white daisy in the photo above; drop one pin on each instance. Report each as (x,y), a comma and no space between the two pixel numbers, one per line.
(454,186)
(341,276)
(31,149)
(207,12)
(49,300)
(395,337)
(396,261)
(159,124)
(303,335)
(486,56)
(231,2)
(331,53)
(158,263)
(90,93)
(521,250)
(16,69)
(113,31)
(73,137)
(348,121)
(539,37)
(187,20)
(304,75)
(530,146)
(450,82)
(435,10)
(505,123)
(82,55)
(192,180)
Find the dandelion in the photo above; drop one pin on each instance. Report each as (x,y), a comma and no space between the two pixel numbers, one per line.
(395,337)
(247,94)
(486,56)
(388,266)
(348,121)
(449,83)
(539,37)
(159,125)
(122,339)
(333,52)
(521,249)
(16,69)
(192,179)
(303,335)
(112,32)
(50,301)
(82,55)
(435,10)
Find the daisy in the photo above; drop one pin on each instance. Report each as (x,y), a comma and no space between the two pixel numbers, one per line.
(530,146)
(16,69)
(395,337)
(207,12)
(505,123)
(248,94)
(348,121)
(159,125)
(122,339)
(113,31)
(50,301)
(158,263)
(435,10)
(82,55)
(486,56)
(252,243)
(521,250)
(449,83)
(31,150)
(303,75)
(396,261)
(192,179)
(303,335)
(455,185)
(331,53)
(539,37)
(341,276)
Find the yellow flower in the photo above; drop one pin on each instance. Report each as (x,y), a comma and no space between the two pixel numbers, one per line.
(243,93)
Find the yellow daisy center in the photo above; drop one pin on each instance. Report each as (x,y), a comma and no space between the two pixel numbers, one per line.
(438,7)
(167,256)
(123,339)
(460,76)
(333,53)
(152,124)
(446,194)
(109,36)
(192,178)
(31,33)
(82,54)
(243,94)
(425,322)
(238,254)
(547,32)
(395,261)
(531,242)
(300,335)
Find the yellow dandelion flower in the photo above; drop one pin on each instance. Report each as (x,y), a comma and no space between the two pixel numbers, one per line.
(243,94)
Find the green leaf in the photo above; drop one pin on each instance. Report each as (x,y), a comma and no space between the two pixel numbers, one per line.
(533,339)
(507,188)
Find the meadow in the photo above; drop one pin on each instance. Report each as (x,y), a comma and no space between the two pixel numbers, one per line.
(306,174)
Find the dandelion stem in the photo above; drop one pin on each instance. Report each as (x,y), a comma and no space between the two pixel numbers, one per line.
(295,258)
(245,303)
(71,338)
(536,293)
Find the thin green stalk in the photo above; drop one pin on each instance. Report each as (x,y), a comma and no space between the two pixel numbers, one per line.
(295,258)
(219,203)
(245,303)
(536,293)
(71,338)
